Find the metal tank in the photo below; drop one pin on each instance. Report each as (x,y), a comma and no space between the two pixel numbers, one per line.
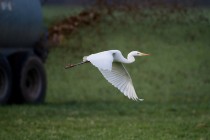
(22,52)
(20,23)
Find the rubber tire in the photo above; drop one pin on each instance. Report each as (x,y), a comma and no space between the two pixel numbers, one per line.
(5,80)
(30,80)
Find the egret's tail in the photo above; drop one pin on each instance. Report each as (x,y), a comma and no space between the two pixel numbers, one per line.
(84,58)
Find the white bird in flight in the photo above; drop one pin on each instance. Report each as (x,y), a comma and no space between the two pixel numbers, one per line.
(110,64)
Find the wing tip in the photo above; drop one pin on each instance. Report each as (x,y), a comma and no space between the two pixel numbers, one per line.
(140,100)
(136,99)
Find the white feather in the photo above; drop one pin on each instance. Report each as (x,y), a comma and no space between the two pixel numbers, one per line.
(102,60)
(120,78)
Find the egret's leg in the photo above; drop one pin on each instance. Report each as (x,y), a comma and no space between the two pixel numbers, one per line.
(73,65)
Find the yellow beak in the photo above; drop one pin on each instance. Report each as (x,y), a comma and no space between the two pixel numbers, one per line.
(144,54)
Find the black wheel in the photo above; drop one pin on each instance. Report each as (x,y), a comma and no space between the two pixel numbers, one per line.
(30,80)
(5,80)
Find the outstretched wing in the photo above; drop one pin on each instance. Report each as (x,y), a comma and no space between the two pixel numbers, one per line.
(120,78)
(102,60)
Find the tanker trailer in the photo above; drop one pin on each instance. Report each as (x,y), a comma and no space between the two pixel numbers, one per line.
(22,53)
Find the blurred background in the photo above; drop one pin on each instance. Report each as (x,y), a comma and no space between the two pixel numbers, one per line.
(80,104)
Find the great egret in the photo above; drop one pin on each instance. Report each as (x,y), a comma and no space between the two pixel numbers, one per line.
(110,64)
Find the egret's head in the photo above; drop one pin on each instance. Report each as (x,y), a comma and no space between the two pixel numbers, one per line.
(137,53)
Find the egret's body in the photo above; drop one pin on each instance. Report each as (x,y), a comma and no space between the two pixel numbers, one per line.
(110,64)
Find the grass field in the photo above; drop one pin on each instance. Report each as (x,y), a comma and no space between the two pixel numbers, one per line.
(81,104)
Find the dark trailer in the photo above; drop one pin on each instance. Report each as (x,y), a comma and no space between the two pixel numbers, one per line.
(22,73)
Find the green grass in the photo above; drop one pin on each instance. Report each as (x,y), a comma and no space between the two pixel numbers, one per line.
(81,104)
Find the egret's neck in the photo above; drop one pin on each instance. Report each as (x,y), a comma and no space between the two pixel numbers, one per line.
(130,58)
